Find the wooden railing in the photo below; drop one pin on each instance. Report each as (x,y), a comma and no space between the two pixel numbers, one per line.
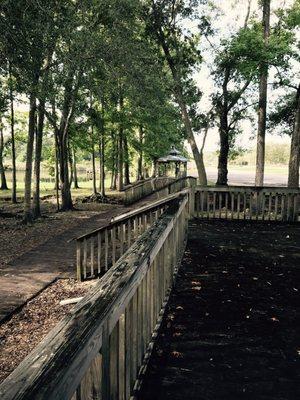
(98,250)
(244,202)
(162,186)
(97,350)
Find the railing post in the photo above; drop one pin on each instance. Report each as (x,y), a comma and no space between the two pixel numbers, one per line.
(79,260)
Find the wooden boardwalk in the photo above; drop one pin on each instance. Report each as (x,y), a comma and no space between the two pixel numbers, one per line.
(230,330)
(30,273)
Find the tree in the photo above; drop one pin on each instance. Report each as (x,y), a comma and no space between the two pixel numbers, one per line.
(262,105)
(235,68)
(181,55)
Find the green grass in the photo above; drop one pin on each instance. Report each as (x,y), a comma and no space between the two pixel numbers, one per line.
(86,189)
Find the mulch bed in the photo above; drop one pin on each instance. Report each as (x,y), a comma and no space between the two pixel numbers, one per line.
(231,329)
(25,329)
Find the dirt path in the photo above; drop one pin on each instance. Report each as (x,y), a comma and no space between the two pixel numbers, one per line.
(230,330)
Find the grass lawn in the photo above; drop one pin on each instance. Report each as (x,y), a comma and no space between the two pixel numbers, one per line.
(86,189)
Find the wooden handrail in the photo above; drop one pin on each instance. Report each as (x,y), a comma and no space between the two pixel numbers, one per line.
(138,192)
(98,348)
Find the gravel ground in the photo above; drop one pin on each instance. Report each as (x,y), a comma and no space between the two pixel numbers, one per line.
(23,332)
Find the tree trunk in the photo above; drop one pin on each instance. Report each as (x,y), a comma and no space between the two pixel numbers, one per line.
(71,165)
(66,199)
(36,209)
(198,157)
(13,145)
(120,163)
(102,164)
(29,154)
(224,151)
(94,171)
(120,148)
(56,171)
(262,107)
(76,186)
(70,94)
(293,179)
(126,161)
(2,170)
(113,185)
(140,159)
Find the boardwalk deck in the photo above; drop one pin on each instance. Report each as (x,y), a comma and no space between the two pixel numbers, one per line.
(230,329)
(30,273)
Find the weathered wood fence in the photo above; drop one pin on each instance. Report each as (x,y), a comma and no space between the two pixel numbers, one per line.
(98,250)
(163,186)
(97,350)
(252,203)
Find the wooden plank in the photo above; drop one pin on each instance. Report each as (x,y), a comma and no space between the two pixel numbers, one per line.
(92,255)
(114,363)
(121,361)
(79,260)
(134,325)
(214,204)
(113,244)
(270,206)
(232,204)
(99,250)
(85,251)
(128,350)
(283,213)
(276,207)
(105,371)
(91,384)
(202,203)
(106,248)
(129,233)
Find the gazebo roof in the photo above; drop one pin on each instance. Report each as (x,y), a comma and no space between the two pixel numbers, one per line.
(173,156)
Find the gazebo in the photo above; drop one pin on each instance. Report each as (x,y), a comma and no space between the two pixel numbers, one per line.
(174,158)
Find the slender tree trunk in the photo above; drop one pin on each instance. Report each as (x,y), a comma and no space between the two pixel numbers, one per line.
(262,107)
(224,151)
(13,145)
(198,157)
(120,163)
(140,159)
(294,162)
(120,182)
(29,154)
(76,186)
(102,164)
(66,199)
(71,165)
(126,161)
(3,185)
(36,209)
(56,171)
(113,185)
(94,170)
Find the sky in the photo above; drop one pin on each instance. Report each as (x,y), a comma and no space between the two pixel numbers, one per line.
(233,16)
